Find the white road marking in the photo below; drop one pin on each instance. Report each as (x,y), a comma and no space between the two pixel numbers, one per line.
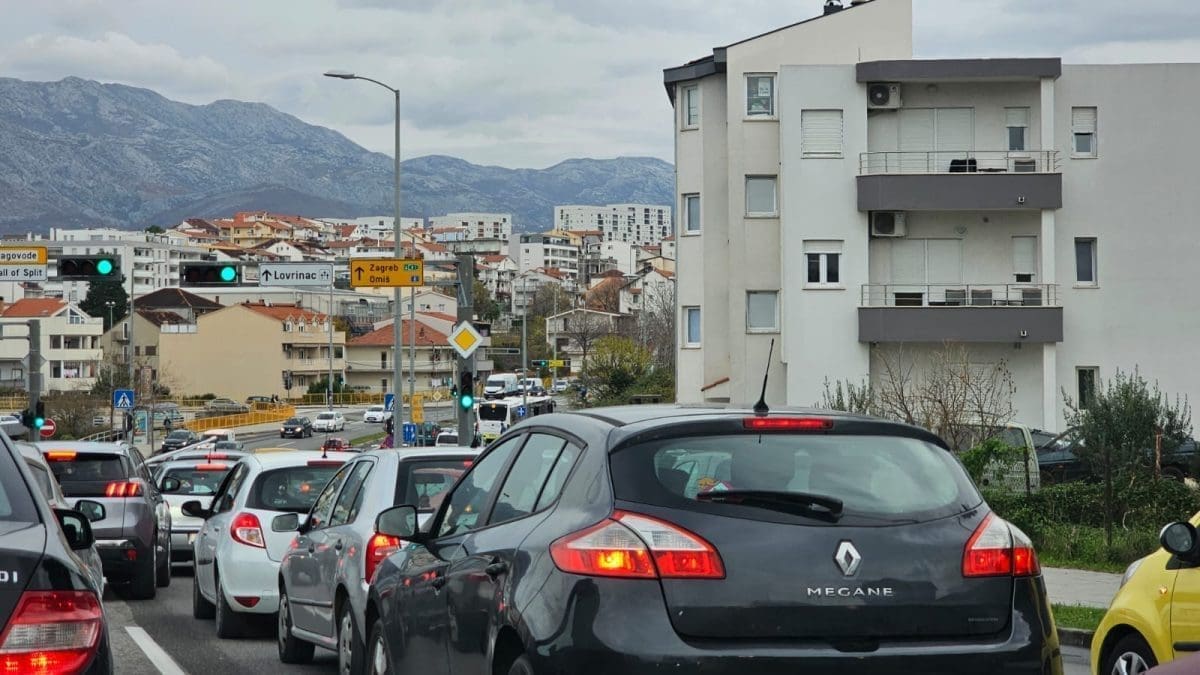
(157,655)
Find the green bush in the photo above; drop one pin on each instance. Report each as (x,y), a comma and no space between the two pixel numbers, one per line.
(992,451)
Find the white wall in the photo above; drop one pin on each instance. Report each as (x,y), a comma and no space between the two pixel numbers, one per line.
(987,99)
(987,247)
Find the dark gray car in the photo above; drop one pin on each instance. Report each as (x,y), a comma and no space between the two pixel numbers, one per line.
(325,575)
(134,537)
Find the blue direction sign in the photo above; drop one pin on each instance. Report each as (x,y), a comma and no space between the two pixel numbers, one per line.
(410,433)
(389,402)
(520,411)
(123,399)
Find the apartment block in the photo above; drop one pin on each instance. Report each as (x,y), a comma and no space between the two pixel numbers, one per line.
(70,345)
(152,260)
(472,226)
(640,224)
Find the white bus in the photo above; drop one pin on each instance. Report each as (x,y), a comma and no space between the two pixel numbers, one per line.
(496,416)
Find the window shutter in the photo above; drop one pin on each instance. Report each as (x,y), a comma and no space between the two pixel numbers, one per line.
(1024,255)
(1083,120)
(1016,117)
(821,133)
(955,129)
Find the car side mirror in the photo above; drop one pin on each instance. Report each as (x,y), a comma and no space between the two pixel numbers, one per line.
(194,509)
(398,521)
(77,529)
(93,511)
(285,522)
(170,485)
(1179,539)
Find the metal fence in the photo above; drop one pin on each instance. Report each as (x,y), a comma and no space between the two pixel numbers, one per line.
(959,161)
(960,295)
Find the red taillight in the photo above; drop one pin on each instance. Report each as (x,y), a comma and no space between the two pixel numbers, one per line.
(787,424)
(634,546)
(247,530)
(325,462)
(211,467)
(123,489)
(61,455)
(247,600)
(998,548)
(379,548)
(216,455)
(51,632)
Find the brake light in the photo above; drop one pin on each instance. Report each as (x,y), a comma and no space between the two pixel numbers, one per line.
(634,546)
(51,632)
(247,530)
(61,455)
(123,489)
(325,462)
(379,548)
(787,424)
(998,548)
(217,455)
(211,467)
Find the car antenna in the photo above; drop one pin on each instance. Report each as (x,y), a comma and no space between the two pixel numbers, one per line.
(760,408)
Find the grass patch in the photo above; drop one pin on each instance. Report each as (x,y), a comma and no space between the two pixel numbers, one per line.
(368,439)
(1082,547)
(1074,616)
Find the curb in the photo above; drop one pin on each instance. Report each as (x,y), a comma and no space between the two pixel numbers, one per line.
(1075,637)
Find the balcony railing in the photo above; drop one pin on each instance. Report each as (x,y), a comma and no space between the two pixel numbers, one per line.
(960,295)
(959,161)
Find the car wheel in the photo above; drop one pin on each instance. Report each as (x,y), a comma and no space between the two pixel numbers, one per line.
(162,577)
(350,652)
(1173,473)
(378,659)
(291,649)
(201,607)
(1131,656)
(144,586)
(230,624)
(521,666)
(283,435)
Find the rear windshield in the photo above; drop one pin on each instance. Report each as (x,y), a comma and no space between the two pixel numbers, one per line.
(325,416)
(493,413)
(292,489)
(86,468)
(879,479)
(425,483)
(179,435)
(197,482)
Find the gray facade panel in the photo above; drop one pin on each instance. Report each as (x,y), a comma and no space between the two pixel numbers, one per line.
(960,324)
(959,192)
(958,69)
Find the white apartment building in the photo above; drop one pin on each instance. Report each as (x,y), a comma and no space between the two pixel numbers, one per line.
(848,201)
(376,227)
(70,345)
(474,226)
(640,224)
(153,260)
(547,250)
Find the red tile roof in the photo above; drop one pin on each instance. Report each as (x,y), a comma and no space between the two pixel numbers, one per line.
(34,307)
(441,315)
(611,274)
(284,312)
(383,337)
(494,258)
(666,273)
(433,248)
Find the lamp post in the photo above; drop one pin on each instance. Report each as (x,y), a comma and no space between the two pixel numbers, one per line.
(110,304)
(398,313)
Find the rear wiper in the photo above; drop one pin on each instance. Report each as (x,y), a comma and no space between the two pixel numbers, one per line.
(830,507)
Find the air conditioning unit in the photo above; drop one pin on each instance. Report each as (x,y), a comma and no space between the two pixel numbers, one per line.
(883,96)
(887,223)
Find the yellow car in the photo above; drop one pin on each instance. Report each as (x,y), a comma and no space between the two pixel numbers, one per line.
(1155,616)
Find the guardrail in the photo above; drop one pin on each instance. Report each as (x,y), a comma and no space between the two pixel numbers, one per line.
(367,398)
(276,414)
(960,295)
(959,161)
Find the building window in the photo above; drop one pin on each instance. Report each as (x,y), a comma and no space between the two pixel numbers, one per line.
(760,196)
(1017,122)
(691,107)
(151,350)
(821,133)
(824,264)
(1086,377)
(1024,259)
(760,95)
(691,214)
(691,326)
(1085,262)
(1083,132)
(762,311)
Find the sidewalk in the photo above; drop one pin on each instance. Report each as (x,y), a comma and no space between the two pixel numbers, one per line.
(1079,587)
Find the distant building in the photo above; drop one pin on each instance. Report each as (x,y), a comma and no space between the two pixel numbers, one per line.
(153,260)
(639,224)
(70,345)
(473,226)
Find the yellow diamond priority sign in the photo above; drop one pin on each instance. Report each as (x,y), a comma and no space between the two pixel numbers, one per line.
(465,339)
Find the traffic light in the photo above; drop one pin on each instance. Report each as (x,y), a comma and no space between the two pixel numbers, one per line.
(39,415)
(210,274)
(466,390)
(539,363)
(88,267)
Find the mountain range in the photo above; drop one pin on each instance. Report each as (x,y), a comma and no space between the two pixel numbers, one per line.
(78,153)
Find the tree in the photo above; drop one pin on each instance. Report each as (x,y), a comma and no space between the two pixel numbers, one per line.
(486,307)
(583,329)
(615,367)
(605,296)
(155,229)
(848,397)
(73,412)
(654,326)
(549,300)
(100,293)
(1118,429)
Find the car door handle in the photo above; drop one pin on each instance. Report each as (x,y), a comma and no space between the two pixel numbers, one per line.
(496,569)
(438,582)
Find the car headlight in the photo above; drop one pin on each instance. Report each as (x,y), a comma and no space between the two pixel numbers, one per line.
(1130,571)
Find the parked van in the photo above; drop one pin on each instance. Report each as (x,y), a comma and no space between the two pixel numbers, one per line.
(1018,475)
(501,385)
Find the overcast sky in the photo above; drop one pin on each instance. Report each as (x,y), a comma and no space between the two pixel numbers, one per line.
(518,83)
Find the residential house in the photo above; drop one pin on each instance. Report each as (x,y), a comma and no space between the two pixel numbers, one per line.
(70,345)
(547,250)
(370,357)
(574,332)
(526,284)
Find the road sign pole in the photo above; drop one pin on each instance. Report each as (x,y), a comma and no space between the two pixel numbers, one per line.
(35,368)
(466,311)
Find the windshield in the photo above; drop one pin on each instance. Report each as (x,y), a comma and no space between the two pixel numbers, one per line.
(425,483)
(293,489)
(498,382)
(295,420)
(179,435)
(193,481)
(493,413)
(228,445)
(325,416)
(375,408)
(875,477)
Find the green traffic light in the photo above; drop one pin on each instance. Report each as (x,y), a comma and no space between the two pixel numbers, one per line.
(104,267)
(467,401)
(228,273)
(39,422)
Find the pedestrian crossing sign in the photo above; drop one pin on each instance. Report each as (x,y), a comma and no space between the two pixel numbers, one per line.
(123,399)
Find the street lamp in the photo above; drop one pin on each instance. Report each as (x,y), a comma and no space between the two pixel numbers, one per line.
(110,304)
(398,313)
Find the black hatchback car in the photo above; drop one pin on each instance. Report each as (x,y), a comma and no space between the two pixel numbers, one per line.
(648,539)
(296,427)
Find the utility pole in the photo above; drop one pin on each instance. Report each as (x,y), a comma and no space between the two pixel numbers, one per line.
(466,311)
(525,346)
(35,369)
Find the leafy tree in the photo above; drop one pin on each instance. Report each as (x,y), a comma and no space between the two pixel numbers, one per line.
(155,229)
(848,397)
(319,386)
(486,307)
(549,300)
(101,292)
(616,365)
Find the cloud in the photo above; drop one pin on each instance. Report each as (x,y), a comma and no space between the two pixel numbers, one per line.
(116,57)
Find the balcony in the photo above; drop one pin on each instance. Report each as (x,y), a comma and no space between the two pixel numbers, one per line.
(963,180)
(960,313)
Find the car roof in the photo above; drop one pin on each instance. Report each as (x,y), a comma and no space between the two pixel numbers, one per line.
(30,452)
(411,454)
(280,460)
(188,463)
(84,446)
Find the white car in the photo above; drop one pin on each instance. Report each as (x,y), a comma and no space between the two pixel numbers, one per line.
(237,553)
(447,438)
(329,421)
(376,413)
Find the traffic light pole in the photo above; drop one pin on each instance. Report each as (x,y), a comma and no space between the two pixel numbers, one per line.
(466,311)
(35,370)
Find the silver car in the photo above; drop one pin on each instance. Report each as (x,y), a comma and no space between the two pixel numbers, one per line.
(184,479)
(134,537)
(325,574)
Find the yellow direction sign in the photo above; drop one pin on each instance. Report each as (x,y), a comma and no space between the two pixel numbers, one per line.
(465,339)
(389,272)
(22,255)
(557,363)
(417,409)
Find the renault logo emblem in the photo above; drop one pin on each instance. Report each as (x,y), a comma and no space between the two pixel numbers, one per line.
(847,558)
